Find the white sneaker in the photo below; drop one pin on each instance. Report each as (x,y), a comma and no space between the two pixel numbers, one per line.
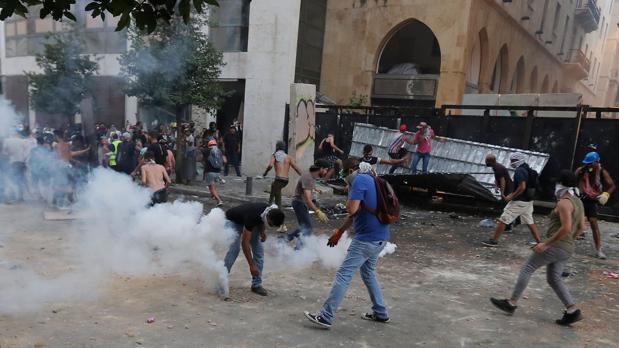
(282,229)
(600,255)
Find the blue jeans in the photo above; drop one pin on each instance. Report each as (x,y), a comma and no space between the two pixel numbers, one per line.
(361,255)
(426,160)
(303,218)
(257,251)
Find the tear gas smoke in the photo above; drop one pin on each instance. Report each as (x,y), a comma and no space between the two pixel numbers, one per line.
(8,118)
(282,256)
(119,235)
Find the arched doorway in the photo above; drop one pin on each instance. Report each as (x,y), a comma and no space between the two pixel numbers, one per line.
(545,83)
(498,82)
(408,66)
(518,78)
(533,81)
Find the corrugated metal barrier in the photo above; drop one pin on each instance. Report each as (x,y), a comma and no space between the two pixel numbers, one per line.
(451,156)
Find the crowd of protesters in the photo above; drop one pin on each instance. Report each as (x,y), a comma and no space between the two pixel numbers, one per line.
(52,164)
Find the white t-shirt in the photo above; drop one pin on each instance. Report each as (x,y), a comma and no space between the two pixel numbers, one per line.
(17,149)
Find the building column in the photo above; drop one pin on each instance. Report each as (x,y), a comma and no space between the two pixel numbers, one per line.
(131,109)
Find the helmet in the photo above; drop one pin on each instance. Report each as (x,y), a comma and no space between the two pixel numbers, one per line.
(591,157)
(212,142)
(403,127)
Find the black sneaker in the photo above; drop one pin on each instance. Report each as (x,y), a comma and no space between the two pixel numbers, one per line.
(373,317)
(318,320)
(259,290)
(570,318)
(503,305)
(490,243)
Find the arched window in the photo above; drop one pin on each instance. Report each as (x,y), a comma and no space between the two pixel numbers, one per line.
(533,81)
(518,78)
(499,73)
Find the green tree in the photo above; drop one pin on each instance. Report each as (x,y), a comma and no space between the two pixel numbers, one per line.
(66,76)
(173,67)
(146,14)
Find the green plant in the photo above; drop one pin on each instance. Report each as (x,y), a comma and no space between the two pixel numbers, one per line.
(66,76)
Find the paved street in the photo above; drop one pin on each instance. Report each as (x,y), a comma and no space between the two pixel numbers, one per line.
(436,285)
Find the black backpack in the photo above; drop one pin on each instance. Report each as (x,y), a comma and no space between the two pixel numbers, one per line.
(532,183)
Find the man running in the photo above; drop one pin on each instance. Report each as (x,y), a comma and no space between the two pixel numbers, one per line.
(503,182)
(212,167)
(282,163)
(302,201)
(369,240)
(250,221)
(567,221)
(519,202)
(592,179)
(156,178)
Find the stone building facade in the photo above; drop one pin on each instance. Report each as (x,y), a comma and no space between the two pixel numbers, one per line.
(464,46)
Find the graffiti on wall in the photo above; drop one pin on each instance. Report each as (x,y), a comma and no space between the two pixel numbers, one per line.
(305,126)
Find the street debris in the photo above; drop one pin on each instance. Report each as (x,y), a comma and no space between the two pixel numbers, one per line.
(487,223)
(611,274)
(150,320)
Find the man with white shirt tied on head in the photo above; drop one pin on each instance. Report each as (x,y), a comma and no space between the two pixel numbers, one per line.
(520,201)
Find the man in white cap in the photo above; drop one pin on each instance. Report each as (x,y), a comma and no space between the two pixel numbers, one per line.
(519,202)
(370,238)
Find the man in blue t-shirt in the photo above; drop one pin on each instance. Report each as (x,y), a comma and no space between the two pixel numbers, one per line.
(370,239)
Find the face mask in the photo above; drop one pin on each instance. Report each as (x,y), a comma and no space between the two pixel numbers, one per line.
(560,190)
(514,164)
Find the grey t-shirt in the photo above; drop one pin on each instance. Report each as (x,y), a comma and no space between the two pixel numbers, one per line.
(306,182)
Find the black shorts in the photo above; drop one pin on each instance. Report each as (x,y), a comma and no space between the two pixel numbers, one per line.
(160,196)
(591,207)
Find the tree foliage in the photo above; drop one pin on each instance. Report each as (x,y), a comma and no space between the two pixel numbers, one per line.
(173,66)
(146,14)
(66,76)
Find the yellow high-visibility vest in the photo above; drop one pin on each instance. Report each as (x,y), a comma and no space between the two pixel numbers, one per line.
(114,153)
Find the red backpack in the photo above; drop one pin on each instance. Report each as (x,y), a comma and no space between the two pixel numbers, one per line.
(387,204)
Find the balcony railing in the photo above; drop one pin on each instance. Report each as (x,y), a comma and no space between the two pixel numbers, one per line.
(577,64)
(588,14)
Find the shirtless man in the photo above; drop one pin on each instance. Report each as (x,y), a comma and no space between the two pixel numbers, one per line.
(282,163)
(156,178)
(64,183)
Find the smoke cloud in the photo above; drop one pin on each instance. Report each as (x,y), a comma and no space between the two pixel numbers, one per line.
(117,234)
(9,118)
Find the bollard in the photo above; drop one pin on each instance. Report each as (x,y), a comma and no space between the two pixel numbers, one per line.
(249,186)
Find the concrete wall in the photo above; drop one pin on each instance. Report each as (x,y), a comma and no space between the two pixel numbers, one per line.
(268,69)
